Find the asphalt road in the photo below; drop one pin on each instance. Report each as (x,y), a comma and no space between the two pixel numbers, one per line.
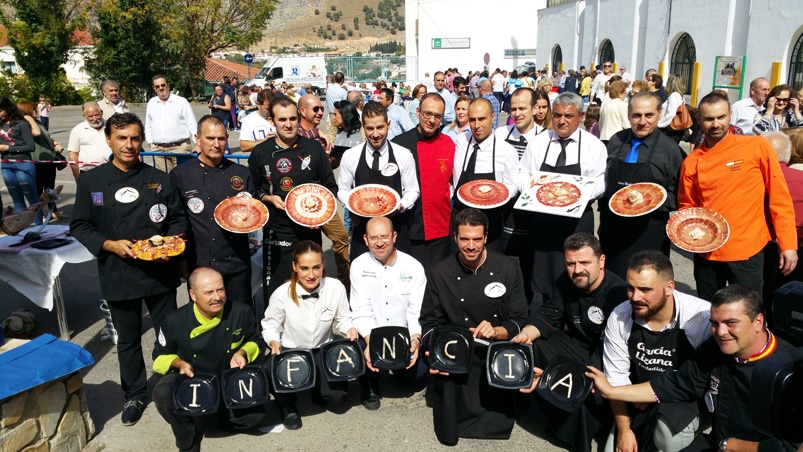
(403,423)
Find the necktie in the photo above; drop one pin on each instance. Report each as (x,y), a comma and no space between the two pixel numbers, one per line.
(561,161)
(375,164)
(472,161)
(312,295)
(632,156)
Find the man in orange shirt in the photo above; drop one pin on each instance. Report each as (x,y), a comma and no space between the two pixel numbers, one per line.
(732,175)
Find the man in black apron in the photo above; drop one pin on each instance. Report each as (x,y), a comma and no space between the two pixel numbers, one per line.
(567,149)
(523,130)
(377,161)
(654,332)
(719,372)
(482,156)
(640,154)
(570,323)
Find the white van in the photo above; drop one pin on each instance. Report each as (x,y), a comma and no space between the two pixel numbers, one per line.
(296,70)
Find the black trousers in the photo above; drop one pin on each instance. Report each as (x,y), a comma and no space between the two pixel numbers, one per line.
(711,276)
(127,318)
(238,288)
(185,428)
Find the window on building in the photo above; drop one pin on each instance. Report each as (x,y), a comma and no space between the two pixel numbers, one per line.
(683,57)
(606,52)
(557,58)
(551,3)
(516,53)
(796,63)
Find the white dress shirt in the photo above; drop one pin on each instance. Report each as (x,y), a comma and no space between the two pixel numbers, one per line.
(593,157)
(691,314)
(308,324)
(387,295)
(404,160)
(512,133)
(90,145)
(170,121)
(507,160)
(742,114)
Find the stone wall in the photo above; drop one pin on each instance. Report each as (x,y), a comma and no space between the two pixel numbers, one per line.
(49,417)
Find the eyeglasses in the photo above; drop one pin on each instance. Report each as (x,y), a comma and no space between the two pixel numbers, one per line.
(606,65)
(781,99)
(382,238)
(318,108)
(163,85)
(429,115)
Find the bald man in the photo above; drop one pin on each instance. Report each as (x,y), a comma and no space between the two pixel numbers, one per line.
(387,288)
(486,92)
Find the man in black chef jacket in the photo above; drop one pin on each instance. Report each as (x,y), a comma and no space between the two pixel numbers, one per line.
(654,331)
(719,372)
(482,291)
(571,323)
(277,165)
(207,335)
(119,201)
(203,182)
(639,154)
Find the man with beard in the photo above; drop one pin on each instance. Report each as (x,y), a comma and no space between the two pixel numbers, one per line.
(434,156)
(87,146)
(582,298)
(655,331)
(482,291)
(720,372)
(377,161)
(737,176)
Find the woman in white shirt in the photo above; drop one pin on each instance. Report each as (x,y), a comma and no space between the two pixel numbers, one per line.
(674,90)
(613,114)
(301,314)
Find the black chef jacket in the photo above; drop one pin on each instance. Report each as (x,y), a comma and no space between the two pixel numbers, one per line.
(584,314)
(201,188)
(277,170)
(728,382)
(111,204)
(211,346)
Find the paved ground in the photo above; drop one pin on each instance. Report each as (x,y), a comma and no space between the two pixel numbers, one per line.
(403,423)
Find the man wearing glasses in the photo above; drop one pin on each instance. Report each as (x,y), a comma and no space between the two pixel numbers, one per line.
(434,158)
(598,86)
(169,124)
(387,288)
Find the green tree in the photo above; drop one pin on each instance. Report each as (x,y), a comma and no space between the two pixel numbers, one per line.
(41,32)
(126,48)
(192,29)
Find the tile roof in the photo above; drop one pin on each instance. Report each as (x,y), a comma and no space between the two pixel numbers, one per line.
(216,69)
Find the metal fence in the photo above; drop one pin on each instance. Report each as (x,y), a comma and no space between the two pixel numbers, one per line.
(372,68)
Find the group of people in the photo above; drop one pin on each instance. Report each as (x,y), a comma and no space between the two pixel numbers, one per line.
(501,273)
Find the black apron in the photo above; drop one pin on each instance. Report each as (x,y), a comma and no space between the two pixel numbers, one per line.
(550,231)
(670,349)
(621,237)
(365,175)
(496,216)
(517,241)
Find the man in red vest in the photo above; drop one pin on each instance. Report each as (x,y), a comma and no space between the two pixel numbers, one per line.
(434,158)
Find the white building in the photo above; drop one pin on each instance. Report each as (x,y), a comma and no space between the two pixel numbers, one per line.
(459,33)
(677,37)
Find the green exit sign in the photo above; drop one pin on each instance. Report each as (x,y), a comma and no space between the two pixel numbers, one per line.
(451,43)
(437,43)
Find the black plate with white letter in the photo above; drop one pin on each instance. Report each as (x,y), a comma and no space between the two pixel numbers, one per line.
(509,365)
(196,396)
(564,383)
(451,349)
(292,371)
(342,360)
(389,347)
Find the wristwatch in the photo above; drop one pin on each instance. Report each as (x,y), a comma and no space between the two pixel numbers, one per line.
(723,445)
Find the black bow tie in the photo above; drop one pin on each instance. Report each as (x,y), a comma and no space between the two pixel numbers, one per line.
(312,295)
